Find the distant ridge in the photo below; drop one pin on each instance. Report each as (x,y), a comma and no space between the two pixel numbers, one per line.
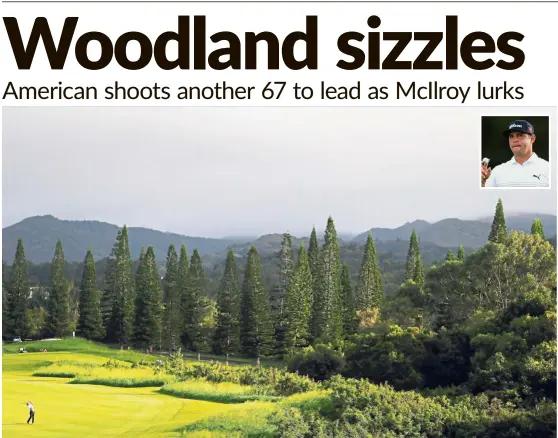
(40,233)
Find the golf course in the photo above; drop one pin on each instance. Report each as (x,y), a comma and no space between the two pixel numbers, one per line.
(64,409)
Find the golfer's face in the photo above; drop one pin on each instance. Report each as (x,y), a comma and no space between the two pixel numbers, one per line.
(520,143)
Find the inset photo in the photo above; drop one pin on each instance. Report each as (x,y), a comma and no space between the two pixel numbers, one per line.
(515,152)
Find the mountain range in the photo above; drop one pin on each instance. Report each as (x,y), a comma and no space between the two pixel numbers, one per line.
(40,233)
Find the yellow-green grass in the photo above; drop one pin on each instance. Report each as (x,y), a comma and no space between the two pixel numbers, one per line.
(79,345)
(223,392)
(251,419)
(94,374)
(242,420)
(64,410)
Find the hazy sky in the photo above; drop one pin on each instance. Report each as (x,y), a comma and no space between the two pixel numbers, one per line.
(222,171)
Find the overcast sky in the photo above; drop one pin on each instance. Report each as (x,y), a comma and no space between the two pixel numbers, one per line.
(223,171)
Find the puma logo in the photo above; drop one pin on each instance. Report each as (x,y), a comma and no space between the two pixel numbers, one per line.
(537,176)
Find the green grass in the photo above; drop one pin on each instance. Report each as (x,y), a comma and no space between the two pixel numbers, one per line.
(78,345)
(80,395)
(224,392)
(94,374)
(244,420)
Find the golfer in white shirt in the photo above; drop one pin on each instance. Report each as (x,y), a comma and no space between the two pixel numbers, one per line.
(31,412)
(525,169)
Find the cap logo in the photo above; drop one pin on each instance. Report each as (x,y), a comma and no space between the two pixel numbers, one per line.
(530,129)
(513,125)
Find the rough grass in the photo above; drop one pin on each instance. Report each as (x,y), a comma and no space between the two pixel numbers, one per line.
(95,374)
(224,392)
(244,420)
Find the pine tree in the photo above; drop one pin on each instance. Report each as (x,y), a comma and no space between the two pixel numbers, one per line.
(139,332)
(450,257)
(256,326)
(90,323)
(313,254)
(286,267)
(369,291)
(537,228)
(193,311)
(414,268)
(58,321)
(418,276)
(123,288)
(350,322)
(327,312)
(183,285)
(314,264)
(226,338)
(498,231)
(15,322)
(172,320)
(461,253)
(5,295)
(138,270)
(412,255)
(108,296)
(147,326)
(298,304)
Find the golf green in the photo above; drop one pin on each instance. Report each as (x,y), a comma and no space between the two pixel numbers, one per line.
(64,410)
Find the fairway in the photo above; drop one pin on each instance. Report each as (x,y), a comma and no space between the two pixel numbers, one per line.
(64,410)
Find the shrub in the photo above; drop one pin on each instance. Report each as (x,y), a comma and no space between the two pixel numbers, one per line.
(319,363)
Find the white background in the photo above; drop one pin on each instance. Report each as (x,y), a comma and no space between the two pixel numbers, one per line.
(536,21)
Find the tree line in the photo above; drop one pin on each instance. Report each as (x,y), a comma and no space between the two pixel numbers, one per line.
(312,302)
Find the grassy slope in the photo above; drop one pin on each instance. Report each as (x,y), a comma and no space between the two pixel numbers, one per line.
(90,410)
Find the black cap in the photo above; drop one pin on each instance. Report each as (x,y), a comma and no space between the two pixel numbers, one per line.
(519,126)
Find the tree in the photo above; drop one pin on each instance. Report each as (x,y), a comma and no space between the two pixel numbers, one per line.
(286,266)
(226,338)
(498,229)
(108,295)
(450,257)
(298,304)
(313,254)
(350,321)
(123,293)
(327,311)
(461,253)
(5,296)
(418,276)
(193,310)
(256,327)
(147,326)
(14,321)
(183,285)
(411,256)
(414,269)
(58,321)
(172,320)
(537,228)
(369,291)
(90,323)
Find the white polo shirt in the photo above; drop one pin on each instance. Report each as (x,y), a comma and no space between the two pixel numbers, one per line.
(535,172)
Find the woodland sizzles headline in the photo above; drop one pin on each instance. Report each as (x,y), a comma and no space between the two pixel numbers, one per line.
(241,52)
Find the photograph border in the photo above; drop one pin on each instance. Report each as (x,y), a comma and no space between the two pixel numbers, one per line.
(550,145)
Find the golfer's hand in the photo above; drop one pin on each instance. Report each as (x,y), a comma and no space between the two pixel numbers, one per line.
(485,173)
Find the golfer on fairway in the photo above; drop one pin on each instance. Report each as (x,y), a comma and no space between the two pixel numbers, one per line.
(31,412)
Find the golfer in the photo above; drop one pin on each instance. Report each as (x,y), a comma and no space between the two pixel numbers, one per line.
(31,412)
(526,168)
